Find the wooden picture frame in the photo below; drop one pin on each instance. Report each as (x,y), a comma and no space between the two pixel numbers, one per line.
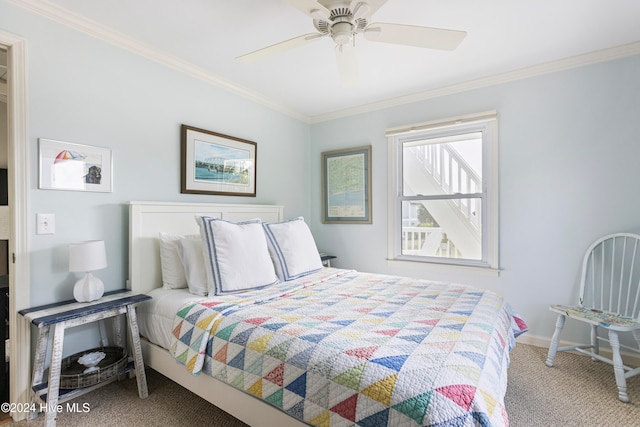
(75,167)
(213,163)
(346,186)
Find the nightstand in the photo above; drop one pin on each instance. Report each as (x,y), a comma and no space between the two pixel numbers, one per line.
(326,259)
(47,395)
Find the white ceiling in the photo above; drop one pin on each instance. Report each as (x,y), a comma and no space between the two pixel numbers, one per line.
(503,36)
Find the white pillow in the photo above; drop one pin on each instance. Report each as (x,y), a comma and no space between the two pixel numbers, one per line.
(190,253)
(236,256)
(292,248)
(172,271)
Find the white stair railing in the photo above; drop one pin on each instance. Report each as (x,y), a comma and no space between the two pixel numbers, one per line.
(454,175)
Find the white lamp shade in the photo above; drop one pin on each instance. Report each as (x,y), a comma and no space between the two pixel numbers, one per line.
(87,256)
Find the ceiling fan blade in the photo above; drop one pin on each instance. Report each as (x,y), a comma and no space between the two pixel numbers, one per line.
(274,49)
(347,64)
(432,38)
(372,6)
(309,6)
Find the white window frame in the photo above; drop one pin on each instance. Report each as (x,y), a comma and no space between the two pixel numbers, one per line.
(486,123)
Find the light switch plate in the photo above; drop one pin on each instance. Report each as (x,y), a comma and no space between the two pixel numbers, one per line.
(45,223)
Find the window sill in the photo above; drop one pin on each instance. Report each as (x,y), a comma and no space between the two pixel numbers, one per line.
(448,269)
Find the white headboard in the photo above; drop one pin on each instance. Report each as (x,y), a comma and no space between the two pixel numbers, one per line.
(147,219)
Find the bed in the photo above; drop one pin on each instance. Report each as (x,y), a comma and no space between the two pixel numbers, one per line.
(330,347)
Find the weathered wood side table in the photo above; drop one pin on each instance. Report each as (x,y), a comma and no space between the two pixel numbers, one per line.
(46,395)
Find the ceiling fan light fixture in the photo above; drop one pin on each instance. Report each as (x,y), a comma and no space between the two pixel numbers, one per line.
(341,32)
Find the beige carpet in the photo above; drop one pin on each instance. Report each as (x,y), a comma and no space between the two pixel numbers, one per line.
(576,392)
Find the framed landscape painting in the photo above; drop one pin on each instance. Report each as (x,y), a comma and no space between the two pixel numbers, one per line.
(213,163)
(346,186)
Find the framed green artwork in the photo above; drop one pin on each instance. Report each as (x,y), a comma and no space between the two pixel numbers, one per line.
(346,186)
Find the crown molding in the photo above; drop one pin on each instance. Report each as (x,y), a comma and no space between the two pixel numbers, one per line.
(94,29)
(603,55)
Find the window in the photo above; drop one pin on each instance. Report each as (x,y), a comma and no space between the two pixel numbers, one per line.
(443,192)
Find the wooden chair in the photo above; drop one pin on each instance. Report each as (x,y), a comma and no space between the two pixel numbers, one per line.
(609,299)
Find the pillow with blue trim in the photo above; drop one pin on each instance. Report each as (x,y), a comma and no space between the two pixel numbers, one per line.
(236,257)
(292,248)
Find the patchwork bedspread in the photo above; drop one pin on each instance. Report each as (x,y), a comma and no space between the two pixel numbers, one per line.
(342,348)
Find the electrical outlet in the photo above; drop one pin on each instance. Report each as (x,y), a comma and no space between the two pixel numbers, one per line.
(45,223)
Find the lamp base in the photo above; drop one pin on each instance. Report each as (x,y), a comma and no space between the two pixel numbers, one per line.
(89,288)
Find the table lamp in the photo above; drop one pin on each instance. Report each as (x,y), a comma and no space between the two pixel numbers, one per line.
(87,256)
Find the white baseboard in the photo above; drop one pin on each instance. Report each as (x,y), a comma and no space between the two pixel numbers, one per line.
(534,340)
(629,359)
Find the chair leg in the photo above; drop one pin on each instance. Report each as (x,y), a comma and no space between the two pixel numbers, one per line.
(594,341)
(553,348)
(618,369)
(636,335)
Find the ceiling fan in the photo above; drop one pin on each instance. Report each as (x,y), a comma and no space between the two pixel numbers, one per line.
(343,20)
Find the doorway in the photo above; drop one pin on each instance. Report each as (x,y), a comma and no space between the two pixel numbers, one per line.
(4,238)
(15,92)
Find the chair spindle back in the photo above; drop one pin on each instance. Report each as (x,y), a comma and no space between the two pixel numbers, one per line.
(610,279)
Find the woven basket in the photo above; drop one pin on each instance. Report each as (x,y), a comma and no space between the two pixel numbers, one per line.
(73,375)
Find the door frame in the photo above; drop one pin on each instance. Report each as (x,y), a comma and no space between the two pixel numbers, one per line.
(18,182)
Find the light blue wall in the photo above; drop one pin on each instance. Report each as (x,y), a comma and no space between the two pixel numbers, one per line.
(83,90)
(569,150)
(569,144)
